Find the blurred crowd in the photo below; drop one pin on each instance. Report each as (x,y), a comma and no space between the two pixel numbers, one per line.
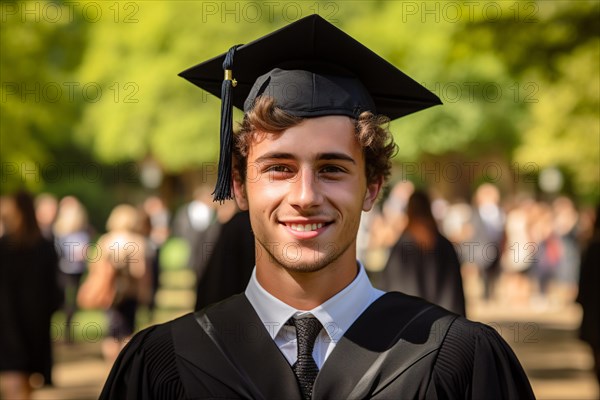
(53,259)
(521,251)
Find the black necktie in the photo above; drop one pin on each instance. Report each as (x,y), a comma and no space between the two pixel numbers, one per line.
(305,368)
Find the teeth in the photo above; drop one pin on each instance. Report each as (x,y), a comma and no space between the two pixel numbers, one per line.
(306,228)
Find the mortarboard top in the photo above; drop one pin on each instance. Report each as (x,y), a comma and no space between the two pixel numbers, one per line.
(311,68)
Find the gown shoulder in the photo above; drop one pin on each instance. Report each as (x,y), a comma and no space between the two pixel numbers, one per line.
(475,362)
(146,368)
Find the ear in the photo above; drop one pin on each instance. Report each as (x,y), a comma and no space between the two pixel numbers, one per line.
(371,194)
(239,190)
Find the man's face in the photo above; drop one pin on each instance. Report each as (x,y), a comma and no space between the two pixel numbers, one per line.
(305,190)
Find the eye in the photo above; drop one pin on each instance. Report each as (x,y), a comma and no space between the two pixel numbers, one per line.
(331,169)
(278,171)
(331,172)
(278,168)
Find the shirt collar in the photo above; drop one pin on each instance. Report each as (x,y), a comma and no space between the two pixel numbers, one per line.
(336,314)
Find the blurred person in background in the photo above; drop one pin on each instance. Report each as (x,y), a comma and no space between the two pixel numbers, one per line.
(122,263)
(456,226)
(488,236)
(230,257)
(549,253)
(46,207)
(150,249)
(394,207)
(384,227)
(566,226)
(423,262)
(519,252)
(192,221)
(204,246)
(71,235)
(589,294)
(160,217)
(29,295)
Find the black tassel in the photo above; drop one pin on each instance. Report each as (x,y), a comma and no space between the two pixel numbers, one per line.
(223,188)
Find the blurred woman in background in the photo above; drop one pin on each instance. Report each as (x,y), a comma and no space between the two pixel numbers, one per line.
(423,262)
(119,277)
(29,294)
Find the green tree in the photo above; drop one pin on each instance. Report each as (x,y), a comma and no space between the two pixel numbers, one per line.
(147,110)
(519,79)
(38,104)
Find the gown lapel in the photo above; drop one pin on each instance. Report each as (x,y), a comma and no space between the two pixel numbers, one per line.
(389,337)
(245,339)
(203,369)
(229,343)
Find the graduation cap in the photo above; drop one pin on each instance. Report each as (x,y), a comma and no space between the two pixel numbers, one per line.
(310,68)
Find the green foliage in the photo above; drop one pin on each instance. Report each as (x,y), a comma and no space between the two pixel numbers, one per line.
(156,113)
(519,79)
(557,63)
(565,129)
(37,107)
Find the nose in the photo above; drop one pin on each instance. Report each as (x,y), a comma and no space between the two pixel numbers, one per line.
(305,190)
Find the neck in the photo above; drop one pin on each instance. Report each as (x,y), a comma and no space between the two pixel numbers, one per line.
(307,290)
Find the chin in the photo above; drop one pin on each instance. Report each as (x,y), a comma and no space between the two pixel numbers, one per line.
(308,263)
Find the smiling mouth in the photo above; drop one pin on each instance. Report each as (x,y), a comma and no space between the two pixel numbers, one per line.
(305,227)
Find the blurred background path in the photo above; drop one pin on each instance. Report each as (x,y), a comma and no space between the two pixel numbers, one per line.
(544,339)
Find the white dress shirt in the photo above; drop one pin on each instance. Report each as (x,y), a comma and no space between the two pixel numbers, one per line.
(336,315)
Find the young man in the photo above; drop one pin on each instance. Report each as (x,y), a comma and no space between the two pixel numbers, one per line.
(311,155)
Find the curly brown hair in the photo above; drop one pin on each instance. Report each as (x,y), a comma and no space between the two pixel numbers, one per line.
(371,131)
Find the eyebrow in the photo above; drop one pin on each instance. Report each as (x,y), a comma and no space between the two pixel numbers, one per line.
(290,156)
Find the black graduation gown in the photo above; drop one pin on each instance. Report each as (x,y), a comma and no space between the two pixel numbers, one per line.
(589,295)
(29,295)
(400,347)
(231,261)
(431,274)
